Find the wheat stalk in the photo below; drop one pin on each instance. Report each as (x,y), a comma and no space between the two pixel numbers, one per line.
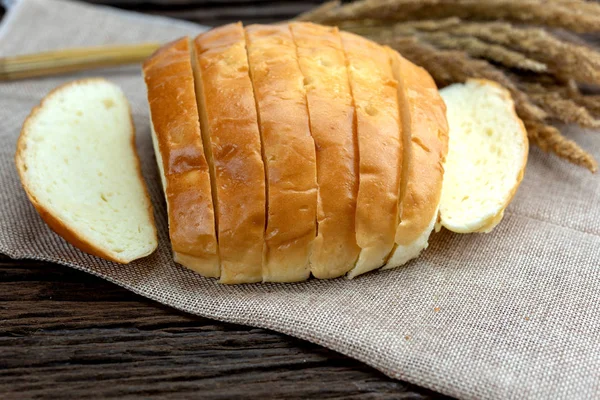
(565,58)
(548,13)
(480,49)
(560,104)
(548,138)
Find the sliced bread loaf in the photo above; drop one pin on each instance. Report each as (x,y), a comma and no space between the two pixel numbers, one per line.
(486,157)
(77,161)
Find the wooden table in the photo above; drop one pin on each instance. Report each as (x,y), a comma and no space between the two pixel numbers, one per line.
(67,334)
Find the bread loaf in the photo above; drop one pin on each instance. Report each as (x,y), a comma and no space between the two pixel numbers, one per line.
(326,152)
(378,132)
(181,159)
(331,110)
(229,125)
(288,149)
(77,162)
(480,184)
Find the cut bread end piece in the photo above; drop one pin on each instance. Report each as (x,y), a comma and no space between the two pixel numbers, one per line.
(77,161)
(486,158)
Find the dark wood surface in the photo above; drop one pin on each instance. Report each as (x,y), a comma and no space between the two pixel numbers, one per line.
(217,12)
(67,334)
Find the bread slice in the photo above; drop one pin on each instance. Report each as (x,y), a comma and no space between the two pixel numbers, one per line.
(229,125)
(331,112)
(77,161)
(486,159)
(288,150)
(180,157)
(374,90)
(425,135)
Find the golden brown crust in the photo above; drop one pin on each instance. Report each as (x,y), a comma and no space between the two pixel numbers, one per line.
(230,128)
(374,90)
(331,112)
(426,126)
(289,152)
(62,229)
(174,114)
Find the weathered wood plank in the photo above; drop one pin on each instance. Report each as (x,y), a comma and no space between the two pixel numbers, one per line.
(119,344)
(253,13)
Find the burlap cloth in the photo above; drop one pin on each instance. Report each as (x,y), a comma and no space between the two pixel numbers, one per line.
(511,314)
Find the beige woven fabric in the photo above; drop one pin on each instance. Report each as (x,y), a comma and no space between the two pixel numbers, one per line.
(511,314)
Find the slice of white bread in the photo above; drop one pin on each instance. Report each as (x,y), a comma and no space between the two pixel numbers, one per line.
(425,135)
(378,129)
(486,159)
(288,150)
(331,112)
(180,157)
(231,136)
(77,161)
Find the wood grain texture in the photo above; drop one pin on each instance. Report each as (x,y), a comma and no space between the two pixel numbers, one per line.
(67,334)
(64,333)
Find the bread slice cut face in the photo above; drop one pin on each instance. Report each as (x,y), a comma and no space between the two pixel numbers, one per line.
(288,150)
(425,136)
(378,131)
(180,156)
(229,125)
(486,157)
(77,161)
(331,110)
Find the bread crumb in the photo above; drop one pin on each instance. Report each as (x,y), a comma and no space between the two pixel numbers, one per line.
(407,337)
(436,309)
(108,103)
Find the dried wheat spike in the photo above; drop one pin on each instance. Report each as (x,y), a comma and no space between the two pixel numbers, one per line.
(430,25)
(563,57)
(590,102)
(566,89)
(565,110)
(559,104)
(316,13)
(553,14)
(548,138)
(582,6)
(480,49)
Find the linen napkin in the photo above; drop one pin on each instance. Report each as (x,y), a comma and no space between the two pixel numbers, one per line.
(510,314)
